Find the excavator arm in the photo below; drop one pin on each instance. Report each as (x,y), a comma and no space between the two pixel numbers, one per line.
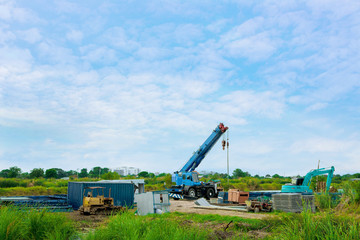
(317,172)
(304,186)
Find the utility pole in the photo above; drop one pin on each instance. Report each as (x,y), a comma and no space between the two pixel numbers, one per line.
(227,146)
(317,178)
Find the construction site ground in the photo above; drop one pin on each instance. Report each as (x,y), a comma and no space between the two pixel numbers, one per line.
(87,222)
(188,206)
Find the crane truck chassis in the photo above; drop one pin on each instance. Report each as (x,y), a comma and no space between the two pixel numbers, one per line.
(187,179)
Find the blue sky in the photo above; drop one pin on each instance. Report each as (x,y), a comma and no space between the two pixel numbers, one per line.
(143,84)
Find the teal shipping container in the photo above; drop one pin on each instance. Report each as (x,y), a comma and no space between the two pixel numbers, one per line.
(122,193)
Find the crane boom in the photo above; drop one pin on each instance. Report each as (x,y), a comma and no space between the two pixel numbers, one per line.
(187,180)
(200,154)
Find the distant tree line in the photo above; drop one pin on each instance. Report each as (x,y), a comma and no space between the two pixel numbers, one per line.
(96,172)
(105,173)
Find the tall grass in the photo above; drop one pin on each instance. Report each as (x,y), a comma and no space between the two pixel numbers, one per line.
(128,226)
(324,226)
(16,224)
(10,224)
(326,200)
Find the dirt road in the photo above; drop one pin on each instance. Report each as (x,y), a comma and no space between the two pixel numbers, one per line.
(187,206)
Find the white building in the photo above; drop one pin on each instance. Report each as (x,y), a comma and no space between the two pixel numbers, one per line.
(124,171)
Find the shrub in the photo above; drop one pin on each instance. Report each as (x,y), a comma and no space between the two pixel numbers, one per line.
(8,183)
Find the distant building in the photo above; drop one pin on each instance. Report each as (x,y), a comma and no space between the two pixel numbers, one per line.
(124,171)
(133,171)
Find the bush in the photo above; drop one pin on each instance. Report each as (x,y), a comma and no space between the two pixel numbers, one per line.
(8,183)
(24,191)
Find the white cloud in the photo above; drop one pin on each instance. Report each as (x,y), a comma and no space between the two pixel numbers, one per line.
(6,35)
(74,36)
(119,39)
(187,34)
(15,60)
(12,116)
(243,103)
(255,48)
(317,106)
(31,35)
(218,25)
(99,54)
(318,145)
(9,12)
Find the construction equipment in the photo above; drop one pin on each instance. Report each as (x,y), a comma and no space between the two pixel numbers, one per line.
(259,204)
(187,180)
(94,202)
(301,185)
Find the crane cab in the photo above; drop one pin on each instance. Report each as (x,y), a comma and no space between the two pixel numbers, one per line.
(187,178)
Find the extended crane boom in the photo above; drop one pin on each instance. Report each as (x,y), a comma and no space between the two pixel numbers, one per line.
(200,154)
(187,180)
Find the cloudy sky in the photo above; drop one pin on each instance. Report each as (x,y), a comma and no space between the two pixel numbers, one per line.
(143,84)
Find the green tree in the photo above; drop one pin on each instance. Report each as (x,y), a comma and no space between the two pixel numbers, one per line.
(168,180)
(144,174)
(276,176)
(239,173)
(110,176)
(60,173)
(83,173)
(4,173)
(25,175)
(37,173)
(97,171)
(14,172)
(71,173)
(51,173)
(105,170)
(356,175)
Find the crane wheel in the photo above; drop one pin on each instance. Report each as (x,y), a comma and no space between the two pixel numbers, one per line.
(192,193)
(210,193)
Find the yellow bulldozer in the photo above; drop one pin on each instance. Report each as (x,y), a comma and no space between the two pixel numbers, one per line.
(94,202)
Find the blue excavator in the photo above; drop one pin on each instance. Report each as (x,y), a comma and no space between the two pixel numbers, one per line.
(301,185)
(187,179)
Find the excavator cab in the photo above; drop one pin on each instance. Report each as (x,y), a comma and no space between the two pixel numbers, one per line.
(297,181)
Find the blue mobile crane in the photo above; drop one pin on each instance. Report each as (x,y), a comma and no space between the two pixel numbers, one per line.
(301,185)
(187,180)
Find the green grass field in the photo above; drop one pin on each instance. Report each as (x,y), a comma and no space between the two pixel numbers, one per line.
(19,224)
(334,219)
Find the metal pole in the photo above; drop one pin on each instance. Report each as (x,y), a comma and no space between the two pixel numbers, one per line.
(227,145)
(317,178)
